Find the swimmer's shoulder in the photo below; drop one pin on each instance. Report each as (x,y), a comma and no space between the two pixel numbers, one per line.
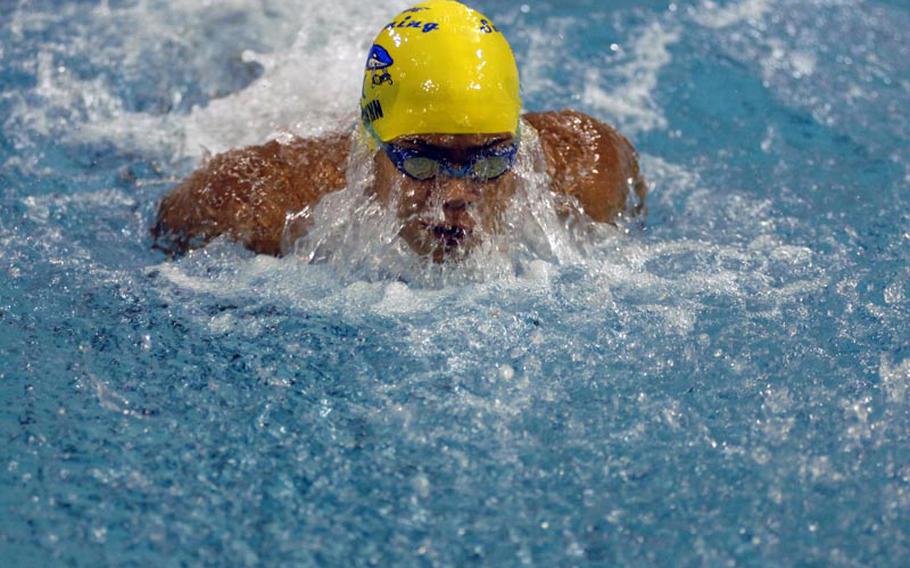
(247,193)
(589,160)
(293,170)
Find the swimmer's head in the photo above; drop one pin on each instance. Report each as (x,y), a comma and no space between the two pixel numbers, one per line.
(440,68)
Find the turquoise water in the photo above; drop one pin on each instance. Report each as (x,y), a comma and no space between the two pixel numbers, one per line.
(727,386)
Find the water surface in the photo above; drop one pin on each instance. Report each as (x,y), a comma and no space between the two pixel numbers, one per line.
(727,386)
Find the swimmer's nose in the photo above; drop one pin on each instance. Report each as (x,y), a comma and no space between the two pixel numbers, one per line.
(458,194)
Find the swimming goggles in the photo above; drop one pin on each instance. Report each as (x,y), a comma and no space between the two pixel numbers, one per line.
(427,163)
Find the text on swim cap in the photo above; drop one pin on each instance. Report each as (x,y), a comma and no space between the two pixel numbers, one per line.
(487,27)
(371,111)
(407,22)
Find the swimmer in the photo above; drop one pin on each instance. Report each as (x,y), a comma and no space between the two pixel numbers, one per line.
(441,112)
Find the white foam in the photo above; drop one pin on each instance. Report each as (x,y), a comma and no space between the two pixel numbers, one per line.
(38,207)
(894,292)
(631,105)
(797,63)
(400,299)
(110,399)
(712,15)
(677,318)
(895,379)
(668,182)
(307,89)
(310,80)
(542,43)
(623,278)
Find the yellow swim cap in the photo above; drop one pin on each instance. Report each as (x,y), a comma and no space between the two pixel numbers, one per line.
(440,68)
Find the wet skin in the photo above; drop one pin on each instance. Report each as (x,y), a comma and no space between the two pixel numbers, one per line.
(247,193)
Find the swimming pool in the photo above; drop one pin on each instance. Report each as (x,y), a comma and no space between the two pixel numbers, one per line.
(727,386)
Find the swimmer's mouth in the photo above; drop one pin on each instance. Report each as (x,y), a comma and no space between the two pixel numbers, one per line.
(450,237)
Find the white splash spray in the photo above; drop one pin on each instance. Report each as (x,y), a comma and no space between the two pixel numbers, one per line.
(371,248)
(712,15)
(631,105)
(311,69)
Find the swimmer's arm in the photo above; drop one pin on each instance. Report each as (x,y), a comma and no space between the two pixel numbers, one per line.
(246,194)
(591,161)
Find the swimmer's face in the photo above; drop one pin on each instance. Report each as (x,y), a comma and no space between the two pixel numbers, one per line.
(445,216)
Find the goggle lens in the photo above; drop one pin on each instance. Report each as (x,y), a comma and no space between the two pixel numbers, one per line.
(421,168)
(490,167)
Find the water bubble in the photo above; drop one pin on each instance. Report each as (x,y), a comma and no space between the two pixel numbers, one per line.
(895,378)
(894,293)
(99,534)
(422,486)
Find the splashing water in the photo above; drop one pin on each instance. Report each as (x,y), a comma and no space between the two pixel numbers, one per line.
(371,249)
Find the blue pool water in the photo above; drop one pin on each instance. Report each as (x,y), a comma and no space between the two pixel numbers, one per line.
(728,386)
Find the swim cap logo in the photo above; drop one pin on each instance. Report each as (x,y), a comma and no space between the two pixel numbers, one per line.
(378,63)
(487,27)
(407,22)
